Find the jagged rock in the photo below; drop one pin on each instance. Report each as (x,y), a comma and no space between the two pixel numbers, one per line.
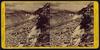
(56,28)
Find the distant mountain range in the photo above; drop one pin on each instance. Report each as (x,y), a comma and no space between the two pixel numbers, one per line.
(16,16)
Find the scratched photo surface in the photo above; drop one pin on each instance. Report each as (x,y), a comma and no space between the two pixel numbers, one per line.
(49,24)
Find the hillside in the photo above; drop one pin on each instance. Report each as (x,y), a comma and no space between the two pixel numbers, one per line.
(59,31)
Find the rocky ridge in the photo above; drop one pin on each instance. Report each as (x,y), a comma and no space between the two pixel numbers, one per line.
(59,32)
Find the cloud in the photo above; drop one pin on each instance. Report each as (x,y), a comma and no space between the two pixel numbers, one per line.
(27,6)
(32,6)
(71,6)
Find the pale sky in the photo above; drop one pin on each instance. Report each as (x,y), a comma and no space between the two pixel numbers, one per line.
(32,6)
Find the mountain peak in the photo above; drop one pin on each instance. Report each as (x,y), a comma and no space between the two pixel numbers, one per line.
(40,10)
(86,8)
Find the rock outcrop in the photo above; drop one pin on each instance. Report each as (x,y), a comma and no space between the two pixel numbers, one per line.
(47,27)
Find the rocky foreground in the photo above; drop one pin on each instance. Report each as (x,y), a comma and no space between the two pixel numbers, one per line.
(63,30)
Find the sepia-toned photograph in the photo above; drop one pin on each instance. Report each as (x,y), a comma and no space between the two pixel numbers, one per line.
(49,24)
